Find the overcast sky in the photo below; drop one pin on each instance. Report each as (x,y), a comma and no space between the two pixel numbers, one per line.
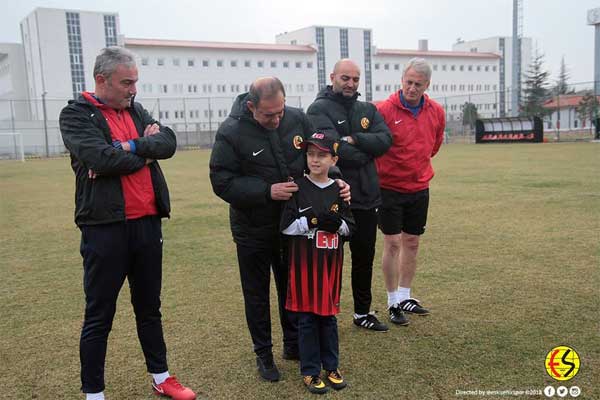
(558,27)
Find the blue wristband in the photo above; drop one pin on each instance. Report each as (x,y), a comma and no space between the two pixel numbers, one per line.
(131,146)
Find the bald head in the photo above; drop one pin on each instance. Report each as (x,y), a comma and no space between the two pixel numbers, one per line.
(344,64)
(345,77)
(266,101)
(265,88)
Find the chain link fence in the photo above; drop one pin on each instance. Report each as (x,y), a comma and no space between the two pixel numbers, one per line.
(196,120)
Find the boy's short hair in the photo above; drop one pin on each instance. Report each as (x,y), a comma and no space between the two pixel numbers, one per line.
(323,142)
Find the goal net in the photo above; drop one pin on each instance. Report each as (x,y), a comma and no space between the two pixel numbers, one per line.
(11,146)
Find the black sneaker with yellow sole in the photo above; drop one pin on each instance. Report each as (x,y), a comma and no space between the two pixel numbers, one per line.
(315,385)
(335,379)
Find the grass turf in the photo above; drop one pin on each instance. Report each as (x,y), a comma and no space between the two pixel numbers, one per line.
(509,267)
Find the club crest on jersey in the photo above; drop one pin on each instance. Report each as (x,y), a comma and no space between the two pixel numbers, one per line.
(327,240)
(297,142)
(334,208)
(364,122)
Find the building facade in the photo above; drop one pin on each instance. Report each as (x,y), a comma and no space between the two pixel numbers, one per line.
(191,84)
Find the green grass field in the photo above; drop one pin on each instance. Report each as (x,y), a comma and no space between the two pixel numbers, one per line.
(509,266)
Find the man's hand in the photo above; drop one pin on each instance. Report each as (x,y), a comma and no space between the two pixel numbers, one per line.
(125,146)
(348,139)
(151,130)
(91,174)
(344,190)
(283,191)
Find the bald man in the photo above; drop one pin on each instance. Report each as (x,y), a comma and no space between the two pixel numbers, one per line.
(363,136)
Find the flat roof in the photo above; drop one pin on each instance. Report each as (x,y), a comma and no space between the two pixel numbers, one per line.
(219,45)
(435,53)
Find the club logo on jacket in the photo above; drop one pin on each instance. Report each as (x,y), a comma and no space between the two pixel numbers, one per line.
(364,122)
(334,208)
(297,141)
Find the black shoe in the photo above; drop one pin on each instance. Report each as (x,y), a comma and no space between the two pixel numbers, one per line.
(290,353)
(335,379)
(267,368)
(397,316)
(314,384)
(413,306)
(371,322)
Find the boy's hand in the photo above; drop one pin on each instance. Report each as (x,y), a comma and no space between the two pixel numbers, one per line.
(329,222)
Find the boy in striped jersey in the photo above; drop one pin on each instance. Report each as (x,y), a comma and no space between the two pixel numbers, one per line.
(316,218)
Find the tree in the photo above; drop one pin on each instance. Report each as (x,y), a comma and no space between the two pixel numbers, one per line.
(469,115)
(535,91)
(562,87)
(588,108)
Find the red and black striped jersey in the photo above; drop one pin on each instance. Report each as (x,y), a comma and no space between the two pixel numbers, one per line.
(315,257)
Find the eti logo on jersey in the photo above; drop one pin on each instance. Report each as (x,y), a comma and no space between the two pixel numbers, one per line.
(326,240)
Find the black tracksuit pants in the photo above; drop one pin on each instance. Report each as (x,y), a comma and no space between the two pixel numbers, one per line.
(255,272)
(362,247)
(111,253)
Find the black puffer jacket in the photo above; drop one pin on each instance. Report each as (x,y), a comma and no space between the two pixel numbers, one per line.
(246,160)
(86,135)
(334,113)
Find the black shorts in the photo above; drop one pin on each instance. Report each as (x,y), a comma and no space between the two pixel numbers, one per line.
(403,212)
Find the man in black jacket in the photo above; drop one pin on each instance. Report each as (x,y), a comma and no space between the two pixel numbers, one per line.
(120,197)
(363,136)
(256,157)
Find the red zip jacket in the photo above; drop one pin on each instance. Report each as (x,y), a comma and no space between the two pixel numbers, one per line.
(406,167)
(137,187)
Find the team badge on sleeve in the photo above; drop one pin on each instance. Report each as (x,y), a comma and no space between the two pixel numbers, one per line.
(297,142)
(364,122)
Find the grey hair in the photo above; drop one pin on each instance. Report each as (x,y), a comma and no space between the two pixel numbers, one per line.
(110,58)
(419,65)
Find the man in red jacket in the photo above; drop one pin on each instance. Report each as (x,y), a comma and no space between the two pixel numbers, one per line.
(417,124)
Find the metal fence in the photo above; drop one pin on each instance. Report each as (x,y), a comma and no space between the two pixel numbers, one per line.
(196,120)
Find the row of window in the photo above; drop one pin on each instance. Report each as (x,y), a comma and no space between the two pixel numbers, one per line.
(480,107)
(191,62)
(193,114)
(443,88)
(234,88)
(463,87)
(443,67)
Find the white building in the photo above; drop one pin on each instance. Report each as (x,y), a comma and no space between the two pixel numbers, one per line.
(457,78)
(13,81)
(190,85)
(332,44)
(193,83)
(502,46)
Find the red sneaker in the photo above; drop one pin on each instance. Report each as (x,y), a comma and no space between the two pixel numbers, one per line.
(173,389)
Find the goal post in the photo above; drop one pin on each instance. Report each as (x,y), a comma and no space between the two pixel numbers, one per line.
(16,143)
